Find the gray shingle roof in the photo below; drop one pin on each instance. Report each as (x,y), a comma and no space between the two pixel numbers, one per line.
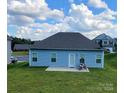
(66,41)
(21,47)
(103,37)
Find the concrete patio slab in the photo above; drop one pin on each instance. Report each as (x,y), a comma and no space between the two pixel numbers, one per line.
(67,69)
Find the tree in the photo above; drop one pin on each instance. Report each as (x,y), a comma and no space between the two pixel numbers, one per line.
(16,40)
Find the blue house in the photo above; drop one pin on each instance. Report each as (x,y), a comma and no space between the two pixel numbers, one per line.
(66,49)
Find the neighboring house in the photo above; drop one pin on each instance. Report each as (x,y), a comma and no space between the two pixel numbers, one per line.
(66,49)
(21,47)
(105,42)
(115,44)
(9,51)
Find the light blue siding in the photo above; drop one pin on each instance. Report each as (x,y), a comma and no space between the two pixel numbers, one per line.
(62,60)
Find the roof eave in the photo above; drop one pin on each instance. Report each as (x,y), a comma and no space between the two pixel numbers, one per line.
(67,49)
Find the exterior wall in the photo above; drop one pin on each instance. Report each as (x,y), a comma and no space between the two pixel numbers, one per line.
(108,44)
(44,58)
(8,51)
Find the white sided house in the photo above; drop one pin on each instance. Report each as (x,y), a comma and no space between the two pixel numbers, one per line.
(9,51)
(106,42)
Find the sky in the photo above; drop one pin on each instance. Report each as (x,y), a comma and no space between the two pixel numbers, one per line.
(39,19)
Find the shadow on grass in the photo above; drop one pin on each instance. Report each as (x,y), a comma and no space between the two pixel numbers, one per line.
(24,65)
(18,65)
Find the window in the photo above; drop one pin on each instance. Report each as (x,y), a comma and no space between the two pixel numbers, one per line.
(82,58)
(98,59)
(34,57)
(105,42)
(53,57)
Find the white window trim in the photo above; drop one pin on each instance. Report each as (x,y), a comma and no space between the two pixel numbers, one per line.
(51,57)
(83,56)
(98,58)
(106,42)
(32,56)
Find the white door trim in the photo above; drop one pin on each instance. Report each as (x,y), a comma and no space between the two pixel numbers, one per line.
(70,60)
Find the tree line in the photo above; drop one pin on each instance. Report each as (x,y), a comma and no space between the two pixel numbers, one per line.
(16,40)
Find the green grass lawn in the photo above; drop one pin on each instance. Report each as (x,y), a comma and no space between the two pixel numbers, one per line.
(23,79)
(19,53)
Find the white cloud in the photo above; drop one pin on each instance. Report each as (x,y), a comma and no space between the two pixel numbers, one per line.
(111,32)
(98,3)
(80,19)
(28,33)
(83,20)
(108,14)
(80,10)
(56,14)
(20,20)
(37,9)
